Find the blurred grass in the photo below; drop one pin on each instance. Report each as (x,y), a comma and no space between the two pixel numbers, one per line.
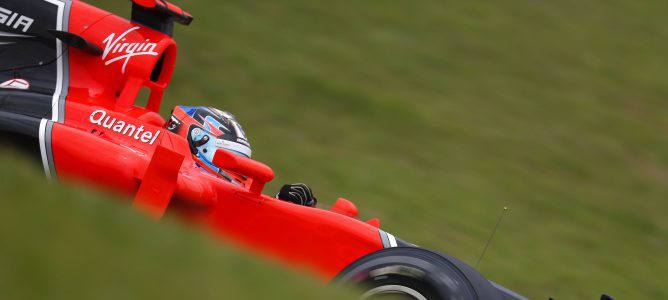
(433,115)
(74,243)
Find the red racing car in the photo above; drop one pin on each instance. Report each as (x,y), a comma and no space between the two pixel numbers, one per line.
(70,74)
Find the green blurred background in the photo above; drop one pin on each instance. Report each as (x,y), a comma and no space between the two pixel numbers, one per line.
(431,115)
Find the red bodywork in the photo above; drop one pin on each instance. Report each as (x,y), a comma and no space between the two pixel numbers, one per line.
(108,140)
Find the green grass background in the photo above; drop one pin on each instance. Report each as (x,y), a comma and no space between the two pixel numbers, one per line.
(432,115)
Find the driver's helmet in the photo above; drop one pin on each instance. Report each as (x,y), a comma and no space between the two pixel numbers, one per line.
(207,129)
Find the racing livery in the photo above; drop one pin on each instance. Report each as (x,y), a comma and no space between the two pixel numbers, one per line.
(70,75)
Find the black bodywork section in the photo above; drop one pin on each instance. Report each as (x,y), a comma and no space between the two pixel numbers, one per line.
(29,52)
(160,17)
(21,133)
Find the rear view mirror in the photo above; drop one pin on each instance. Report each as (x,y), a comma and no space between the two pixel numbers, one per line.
(257,171)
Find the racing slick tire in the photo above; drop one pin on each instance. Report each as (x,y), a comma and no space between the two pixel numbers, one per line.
(416,273)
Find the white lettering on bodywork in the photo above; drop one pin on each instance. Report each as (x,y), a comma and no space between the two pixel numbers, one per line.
(100,118)
(117,45)
(15,20)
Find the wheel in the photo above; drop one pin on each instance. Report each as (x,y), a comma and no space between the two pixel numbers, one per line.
(416,273)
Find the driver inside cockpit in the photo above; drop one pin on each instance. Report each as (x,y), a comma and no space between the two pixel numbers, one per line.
(207,129)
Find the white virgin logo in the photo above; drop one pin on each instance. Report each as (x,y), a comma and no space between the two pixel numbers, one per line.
(116,45)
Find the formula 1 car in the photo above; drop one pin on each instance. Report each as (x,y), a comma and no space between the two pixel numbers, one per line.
(70,75)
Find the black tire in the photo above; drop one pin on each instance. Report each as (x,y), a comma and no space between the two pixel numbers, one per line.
(416,273)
